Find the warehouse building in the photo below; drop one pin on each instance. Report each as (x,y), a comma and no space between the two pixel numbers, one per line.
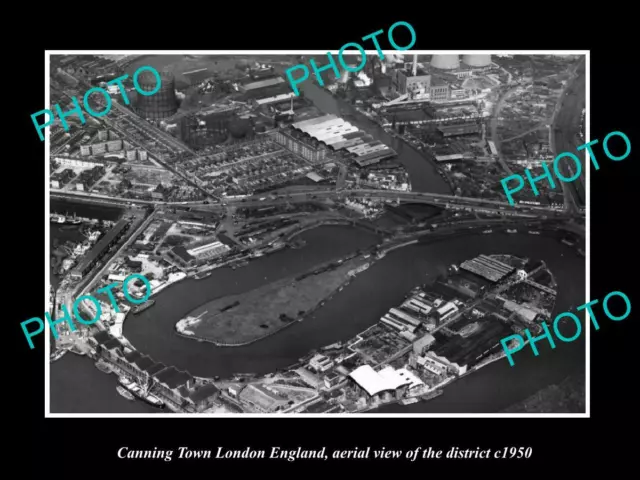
(269,82)
(487,267)
(340,135)
(388,382)
(459,130)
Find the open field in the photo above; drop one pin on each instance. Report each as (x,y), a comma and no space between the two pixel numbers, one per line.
(269,308)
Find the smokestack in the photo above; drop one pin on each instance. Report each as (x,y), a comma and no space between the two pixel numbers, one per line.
(415,64)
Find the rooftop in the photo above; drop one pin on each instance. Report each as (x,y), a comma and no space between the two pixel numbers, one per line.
(144,362)
(111,344)
(461,129)
(263,83)
(102,337)
(172,377)
(420,72)
(181,252)
(260,396)
(376,382)
(132,356)
(99,247)
(203,393)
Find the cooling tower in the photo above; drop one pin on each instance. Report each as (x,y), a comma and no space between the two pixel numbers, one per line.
(445,62)
(161,104)
(477,60)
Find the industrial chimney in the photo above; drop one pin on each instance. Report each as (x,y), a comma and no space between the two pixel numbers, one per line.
(415,64)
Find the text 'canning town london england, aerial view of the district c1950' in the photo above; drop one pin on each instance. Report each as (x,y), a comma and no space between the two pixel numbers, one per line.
(344,247)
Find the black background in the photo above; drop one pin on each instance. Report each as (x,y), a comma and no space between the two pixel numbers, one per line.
(87,447)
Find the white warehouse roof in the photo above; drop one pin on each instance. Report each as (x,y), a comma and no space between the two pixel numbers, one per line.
(313,121)
(375,382)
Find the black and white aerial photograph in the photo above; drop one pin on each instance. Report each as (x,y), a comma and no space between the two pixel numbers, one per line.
(258,235)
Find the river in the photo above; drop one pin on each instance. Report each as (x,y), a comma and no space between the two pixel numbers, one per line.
(349,312)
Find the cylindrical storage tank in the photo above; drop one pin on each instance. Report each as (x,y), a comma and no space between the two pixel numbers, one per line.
(161,104)
(445,62)
(477,60)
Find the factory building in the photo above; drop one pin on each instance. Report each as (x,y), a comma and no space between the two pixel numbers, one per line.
(419,83)
(274,99)
(447,311)
(414,83)
(417,304)
(432,365)
(459,130)
(350,140)
(320,363)
(449,158)
(404,316)
(210,250)
(340,135)
(439,91)
(163,103)
(388,382)
(370,153)
(487,267)
(423,343)
(197,255)
(397,324)
(332,379)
